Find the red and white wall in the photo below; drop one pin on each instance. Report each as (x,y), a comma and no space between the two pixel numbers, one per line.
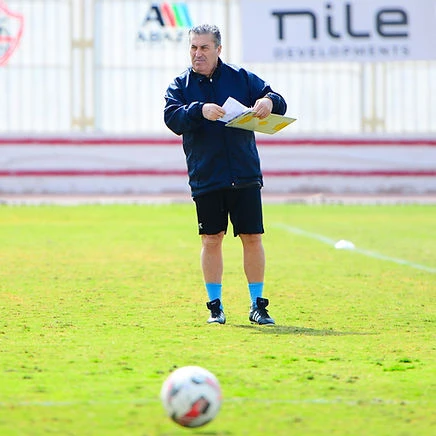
(140,165)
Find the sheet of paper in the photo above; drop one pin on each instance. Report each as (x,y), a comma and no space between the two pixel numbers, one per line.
(233,109)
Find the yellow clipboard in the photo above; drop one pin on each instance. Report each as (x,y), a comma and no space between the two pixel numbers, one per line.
(271,124)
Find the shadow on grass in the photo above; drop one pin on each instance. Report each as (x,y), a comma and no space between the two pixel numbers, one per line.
(293,330)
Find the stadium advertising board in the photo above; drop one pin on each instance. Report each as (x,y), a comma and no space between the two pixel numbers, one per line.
(353,30)
(164,22)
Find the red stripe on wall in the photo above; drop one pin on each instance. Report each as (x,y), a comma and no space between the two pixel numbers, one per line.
(272,173)
(150,141)
(90,141)
(348,142)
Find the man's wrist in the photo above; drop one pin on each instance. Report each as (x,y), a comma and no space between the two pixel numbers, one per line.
(271,100)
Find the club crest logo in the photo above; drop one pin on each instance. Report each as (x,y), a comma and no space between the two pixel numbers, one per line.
(11,30)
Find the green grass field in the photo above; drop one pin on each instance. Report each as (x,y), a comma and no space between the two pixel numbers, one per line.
(99,303)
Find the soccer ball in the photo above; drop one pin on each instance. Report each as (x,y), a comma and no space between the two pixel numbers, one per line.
(191,396)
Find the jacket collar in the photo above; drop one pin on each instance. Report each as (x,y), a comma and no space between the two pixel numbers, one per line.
(214,76)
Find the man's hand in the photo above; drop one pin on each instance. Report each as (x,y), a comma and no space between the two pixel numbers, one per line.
(212,111)
(263,107)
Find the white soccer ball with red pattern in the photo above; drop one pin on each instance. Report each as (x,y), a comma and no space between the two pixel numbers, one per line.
(191,396)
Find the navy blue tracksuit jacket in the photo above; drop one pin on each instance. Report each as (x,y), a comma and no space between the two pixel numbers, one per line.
(217,157)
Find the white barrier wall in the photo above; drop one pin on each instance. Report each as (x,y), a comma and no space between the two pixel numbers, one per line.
(359,76)
(138,165)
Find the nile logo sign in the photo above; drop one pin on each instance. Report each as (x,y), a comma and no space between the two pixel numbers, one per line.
(164,22)
(11,29)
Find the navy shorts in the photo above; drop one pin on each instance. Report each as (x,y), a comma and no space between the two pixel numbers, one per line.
(243,206)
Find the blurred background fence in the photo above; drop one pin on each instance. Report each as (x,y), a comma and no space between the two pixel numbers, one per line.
(76,69)
(92,65)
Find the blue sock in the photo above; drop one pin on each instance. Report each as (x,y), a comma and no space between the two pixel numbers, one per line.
(256,290)
(214,291)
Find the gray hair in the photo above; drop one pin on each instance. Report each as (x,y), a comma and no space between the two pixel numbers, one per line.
(204,29)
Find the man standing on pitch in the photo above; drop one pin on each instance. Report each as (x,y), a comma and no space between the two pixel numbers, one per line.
(223,163)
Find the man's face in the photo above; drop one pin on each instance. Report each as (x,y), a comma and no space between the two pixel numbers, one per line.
(204,54)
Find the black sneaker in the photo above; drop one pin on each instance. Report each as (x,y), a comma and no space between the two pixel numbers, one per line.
(216,314)
(259,314)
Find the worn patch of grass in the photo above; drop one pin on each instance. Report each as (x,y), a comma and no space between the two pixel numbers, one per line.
(99,303)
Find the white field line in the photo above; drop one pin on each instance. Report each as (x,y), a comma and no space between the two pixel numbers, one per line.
(374,254)
(321,401)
